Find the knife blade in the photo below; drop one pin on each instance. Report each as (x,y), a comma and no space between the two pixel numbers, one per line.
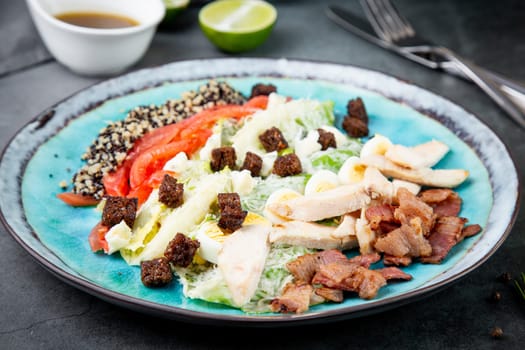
(363,29)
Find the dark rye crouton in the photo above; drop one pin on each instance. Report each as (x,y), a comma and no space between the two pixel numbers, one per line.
(181,250)
(273,140)
(171,192)
(232,200)
(156,272)
(287,165)
(356,109)
(355,127)
(263,89)
(326,139)
(223,157)
(117,209)
(231,214)
(252,163)
(231,219)
(355,122)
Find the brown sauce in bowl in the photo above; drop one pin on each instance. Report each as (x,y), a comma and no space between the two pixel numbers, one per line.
(97,20)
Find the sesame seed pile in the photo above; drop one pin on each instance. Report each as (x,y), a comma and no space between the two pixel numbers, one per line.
(115,140)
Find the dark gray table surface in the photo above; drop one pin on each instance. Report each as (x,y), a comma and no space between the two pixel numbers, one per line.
(38,311)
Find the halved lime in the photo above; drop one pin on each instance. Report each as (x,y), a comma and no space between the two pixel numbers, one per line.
(173,9)
(237,25)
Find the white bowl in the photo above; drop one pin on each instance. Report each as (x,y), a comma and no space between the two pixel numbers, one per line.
(94,51)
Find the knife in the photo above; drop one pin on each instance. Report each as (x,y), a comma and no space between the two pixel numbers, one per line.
(363,29)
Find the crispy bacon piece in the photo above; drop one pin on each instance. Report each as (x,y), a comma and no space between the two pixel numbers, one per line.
(386,227)
(435,195)
(295,298)
(335,295)
(330,256)
(408,240)
(304,267)
(444,201)
(393,273)
(390,260)
(445,235)
(377,214)
(469,231)
(350,277)
(335,273)
(411,207)
(365,260)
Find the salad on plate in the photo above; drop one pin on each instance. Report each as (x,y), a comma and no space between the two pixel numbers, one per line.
(266,203)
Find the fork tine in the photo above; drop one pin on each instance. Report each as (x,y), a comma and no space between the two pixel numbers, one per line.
(392,23)
(402,22)
(386,20)
(376,19)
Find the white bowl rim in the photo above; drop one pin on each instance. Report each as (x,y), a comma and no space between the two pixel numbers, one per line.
(35,4)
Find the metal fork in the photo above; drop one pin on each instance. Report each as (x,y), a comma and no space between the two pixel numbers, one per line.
(392,27)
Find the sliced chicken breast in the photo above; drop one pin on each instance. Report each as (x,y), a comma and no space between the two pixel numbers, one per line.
(432,151)
(365,235)
(323,205)
(310,235)
(377,185)
(241,261)
(423,176)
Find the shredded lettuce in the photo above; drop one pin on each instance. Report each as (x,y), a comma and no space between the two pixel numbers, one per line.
(274,276)
(333,158)
(207,283)
(256,199)
(294,118)
(197,202)
(204,282)
(157,224)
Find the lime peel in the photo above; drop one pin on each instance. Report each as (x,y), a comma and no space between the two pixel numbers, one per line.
(173,9)
(237,25)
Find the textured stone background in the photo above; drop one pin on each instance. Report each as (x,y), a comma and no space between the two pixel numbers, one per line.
(38,311)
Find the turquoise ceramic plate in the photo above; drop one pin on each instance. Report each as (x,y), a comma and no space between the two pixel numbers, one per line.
(48,150)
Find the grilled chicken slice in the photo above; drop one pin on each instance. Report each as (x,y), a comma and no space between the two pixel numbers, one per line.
(424,155)
(422,176)
(377,185)
(410,186)
(310,235)
(432,151)
(405,157)
(365,235)
(346,227)
(241,260)
(323,205)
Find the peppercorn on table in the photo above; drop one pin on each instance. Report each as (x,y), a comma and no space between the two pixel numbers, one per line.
(482,310)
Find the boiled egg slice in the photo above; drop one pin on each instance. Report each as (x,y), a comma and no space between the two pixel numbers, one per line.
(321,181)
(377,145)
(352,171)
(279,196)
(211,237)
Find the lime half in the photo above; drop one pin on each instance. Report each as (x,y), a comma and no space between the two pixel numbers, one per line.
(237,25)
(173,9)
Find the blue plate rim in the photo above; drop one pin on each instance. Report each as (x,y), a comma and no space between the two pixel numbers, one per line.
(208,318)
